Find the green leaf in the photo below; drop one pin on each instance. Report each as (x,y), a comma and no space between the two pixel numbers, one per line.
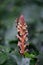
(3,57)
(32,62)
(29,55)
(10,62)
(5,49)
(16,56)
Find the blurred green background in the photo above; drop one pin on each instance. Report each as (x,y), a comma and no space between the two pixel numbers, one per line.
(33,14)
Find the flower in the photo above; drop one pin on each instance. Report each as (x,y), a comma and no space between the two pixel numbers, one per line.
(22,33)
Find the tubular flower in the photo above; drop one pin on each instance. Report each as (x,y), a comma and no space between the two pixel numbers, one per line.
(22,33)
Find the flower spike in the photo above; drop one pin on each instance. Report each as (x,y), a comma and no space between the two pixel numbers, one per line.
(22,33)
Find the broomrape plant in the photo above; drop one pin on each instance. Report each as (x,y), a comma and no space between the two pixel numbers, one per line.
(22,34)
